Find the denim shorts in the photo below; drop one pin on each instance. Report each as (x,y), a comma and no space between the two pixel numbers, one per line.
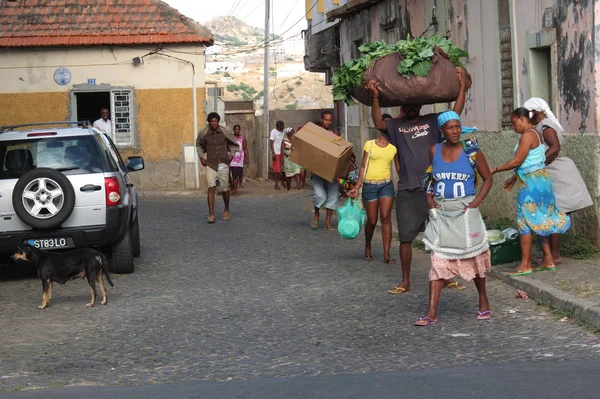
(373,192)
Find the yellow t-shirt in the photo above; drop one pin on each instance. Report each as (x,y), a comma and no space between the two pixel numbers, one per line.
(380,161)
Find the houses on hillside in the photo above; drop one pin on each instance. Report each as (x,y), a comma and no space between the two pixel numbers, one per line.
(140,58)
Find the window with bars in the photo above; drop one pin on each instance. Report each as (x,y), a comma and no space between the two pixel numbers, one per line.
(121,110)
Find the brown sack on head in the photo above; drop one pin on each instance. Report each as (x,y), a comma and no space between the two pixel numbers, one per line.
(439,86)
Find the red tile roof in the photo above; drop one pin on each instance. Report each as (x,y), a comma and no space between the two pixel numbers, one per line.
(45,23)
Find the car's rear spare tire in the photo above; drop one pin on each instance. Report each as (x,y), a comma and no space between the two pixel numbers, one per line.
(43,198)
(121,260)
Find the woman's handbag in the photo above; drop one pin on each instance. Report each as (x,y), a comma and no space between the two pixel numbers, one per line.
(455,233)
(350,219)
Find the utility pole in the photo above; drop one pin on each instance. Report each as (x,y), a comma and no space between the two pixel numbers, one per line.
(266,91)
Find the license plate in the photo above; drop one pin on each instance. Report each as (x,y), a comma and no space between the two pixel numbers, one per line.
(52,243)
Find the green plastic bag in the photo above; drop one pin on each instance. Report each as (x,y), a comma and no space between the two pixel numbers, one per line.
(350,219)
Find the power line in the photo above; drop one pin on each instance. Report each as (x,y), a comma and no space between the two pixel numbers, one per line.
(227,18)
(261,44)
(232,21)
(289,13)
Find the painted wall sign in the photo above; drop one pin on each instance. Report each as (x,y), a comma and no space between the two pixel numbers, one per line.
(62,76)
(92,82)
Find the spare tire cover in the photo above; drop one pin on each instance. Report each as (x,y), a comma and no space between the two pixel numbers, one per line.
(43,198)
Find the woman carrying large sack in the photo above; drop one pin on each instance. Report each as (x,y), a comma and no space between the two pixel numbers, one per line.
(456,233)
(569,188)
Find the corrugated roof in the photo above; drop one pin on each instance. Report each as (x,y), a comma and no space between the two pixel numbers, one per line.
(46,23)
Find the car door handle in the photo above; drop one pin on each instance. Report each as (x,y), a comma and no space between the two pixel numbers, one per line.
(129,185)
(90,187)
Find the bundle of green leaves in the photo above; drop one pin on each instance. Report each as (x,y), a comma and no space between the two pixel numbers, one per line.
(417,53)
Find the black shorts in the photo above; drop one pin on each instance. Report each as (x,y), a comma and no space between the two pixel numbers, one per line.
(236,171)
(411,213)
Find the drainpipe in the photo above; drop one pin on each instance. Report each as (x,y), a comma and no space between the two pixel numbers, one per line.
(194,100)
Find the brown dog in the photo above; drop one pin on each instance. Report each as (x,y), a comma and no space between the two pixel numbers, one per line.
(62,267)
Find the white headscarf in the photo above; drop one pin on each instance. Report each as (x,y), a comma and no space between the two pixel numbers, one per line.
(538,104)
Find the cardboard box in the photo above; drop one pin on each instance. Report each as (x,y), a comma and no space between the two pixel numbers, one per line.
(321,152)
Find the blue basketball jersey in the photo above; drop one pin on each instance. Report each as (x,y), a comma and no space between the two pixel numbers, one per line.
(452,179)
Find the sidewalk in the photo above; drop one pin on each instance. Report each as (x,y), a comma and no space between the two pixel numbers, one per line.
(574,288)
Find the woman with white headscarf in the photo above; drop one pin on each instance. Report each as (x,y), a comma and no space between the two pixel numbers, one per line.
(569,187)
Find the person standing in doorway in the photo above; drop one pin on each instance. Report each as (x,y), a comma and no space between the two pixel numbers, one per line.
(104,124)
(275,139)
(216,147)
(325,192)
(239,160)
(413,135)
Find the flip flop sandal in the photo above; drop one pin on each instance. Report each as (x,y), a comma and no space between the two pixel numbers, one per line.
(314,225)
(519,273)
(329,228)
(429,322)
(544,269)
(368,258)
(389,261)
(455,286)
(487,315)
(211,219)
(397,290)
(226,218)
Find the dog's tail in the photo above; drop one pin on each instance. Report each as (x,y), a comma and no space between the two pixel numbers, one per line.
(104,263)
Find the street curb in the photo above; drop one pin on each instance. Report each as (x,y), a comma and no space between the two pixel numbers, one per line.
(582,309)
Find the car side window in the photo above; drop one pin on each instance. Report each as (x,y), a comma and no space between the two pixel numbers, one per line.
(113,162)
(116,152)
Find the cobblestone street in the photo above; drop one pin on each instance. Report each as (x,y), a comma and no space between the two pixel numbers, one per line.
(260,296)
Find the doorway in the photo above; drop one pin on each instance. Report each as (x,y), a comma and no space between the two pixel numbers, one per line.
(90,103)
(541,73)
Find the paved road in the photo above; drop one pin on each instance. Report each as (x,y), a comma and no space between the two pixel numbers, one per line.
(256,298)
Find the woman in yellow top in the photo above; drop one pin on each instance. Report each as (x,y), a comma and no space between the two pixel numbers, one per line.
(378,191)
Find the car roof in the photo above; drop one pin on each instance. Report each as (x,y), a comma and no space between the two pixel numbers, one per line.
(58,132)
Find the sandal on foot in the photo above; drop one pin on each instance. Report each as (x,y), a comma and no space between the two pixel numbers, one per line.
(518,273)
(486,315)
(389,261)
(314,224)
(329,228)
(425,321)
(211,219)
(541,268)
(397,290)
(368,258)
(455,286)
(226,218)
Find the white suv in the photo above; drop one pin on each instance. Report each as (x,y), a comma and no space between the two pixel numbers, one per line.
(68,187)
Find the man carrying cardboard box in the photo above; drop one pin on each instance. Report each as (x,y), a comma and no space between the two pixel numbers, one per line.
(325,192)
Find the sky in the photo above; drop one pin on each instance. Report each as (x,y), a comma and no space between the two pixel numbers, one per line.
(250,11)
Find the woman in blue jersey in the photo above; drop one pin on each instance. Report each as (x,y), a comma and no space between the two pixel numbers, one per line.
(536,205)
(456,234)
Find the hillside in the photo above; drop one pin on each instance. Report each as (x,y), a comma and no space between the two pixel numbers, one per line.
(303,90)
(230,30)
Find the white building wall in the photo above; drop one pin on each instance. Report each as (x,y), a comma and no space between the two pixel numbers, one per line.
(32,70)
